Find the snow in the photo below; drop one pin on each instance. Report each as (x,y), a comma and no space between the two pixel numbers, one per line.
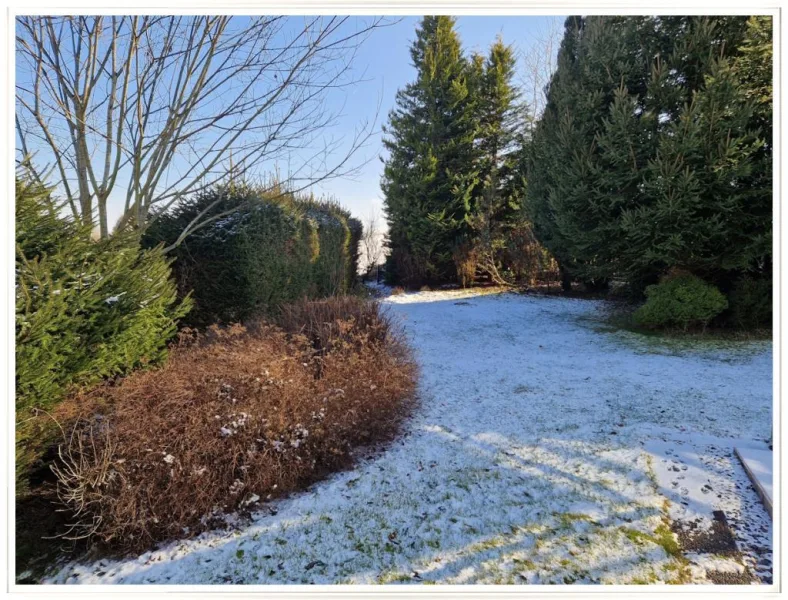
(113,299)
(760,469)
(541,452)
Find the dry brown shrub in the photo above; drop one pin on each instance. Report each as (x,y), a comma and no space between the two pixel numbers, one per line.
(236,415)
(528,260)
(398,291)
(337,321)
(466,260)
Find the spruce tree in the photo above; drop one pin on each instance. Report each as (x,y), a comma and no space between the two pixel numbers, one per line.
(752,69)
(430,140)
(651,154)
(699,206)
(85,310)
(497,189)
(550,152)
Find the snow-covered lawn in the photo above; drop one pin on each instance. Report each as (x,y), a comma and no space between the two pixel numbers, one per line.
(546,449)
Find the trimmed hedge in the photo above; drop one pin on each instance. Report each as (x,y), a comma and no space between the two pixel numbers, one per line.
(680,300)
(85,310)
(271,248)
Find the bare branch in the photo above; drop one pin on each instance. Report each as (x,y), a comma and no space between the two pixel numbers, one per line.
(163,102)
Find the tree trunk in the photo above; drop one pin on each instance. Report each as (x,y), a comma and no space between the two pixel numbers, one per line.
(566,279)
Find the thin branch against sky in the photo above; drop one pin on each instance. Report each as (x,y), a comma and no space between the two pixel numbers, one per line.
(146,110)
(356,94)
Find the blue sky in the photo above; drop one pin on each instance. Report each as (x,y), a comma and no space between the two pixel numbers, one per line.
(382,66)
(385,61)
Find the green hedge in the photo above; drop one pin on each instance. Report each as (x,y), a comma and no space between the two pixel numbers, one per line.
(271,249)
(85,310)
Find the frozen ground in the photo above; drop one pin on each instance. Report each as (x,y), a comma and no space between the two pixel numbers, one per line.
(546,449)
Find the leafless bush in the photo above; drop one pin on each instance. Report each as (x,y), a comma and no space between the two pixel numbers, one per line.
(465,261)
(156,108)
(236,417)
(372,247)
(529,261)
(335,321)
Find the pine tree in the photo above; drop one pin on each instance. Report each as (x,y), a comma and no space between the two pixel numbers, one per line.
(698,198)
(551,152)
(752,69)
(430,140)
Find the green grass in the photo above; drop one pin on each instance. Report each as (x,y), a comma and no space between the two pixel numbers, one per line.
(394,578)
(525,562)
(567,520)
(662,536)
(737,345)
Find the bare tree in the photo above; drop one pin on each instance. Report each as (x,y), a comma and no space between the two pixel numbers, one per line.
(539,63)
(143,110)
(372,245)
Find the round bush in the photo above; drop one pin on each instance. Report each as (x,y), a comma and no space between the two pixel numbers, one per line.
(682,300)
(268,249)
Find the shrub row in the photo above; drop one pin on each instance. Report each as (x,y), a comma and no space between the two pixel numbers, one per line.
(85,310)
(272,248)
(236,416)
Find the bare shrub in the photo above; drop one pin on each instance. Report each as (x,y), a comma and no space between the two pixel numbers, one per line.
(237,416)
(465,261)
(528,260)
(398,291)
(336,321)
(372,247)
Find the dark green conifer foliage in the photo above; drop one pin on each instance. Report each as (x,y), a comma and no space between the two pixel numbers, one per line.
(551,152)
(85,310)
(430,140)
(493,182)
(266,247)
(652,152)
(752,71)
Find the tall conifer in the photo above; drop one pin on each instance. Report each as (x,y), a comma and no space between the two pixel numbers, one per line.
(652,150)
(430,141)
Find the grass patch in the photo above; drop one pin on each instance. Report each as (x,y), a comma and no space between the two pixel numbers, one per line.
(619,316)
(394,578)
(678,567)
(647,580)
(526,563)
(731,344)
(567,520)
(662,537)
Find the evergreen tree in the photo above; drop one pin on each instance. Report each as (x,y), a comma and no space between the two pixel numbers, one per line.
(752,69)
(495,186)
(550,153)
(430,140)
(648,154)
(85,310)
(696,209)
